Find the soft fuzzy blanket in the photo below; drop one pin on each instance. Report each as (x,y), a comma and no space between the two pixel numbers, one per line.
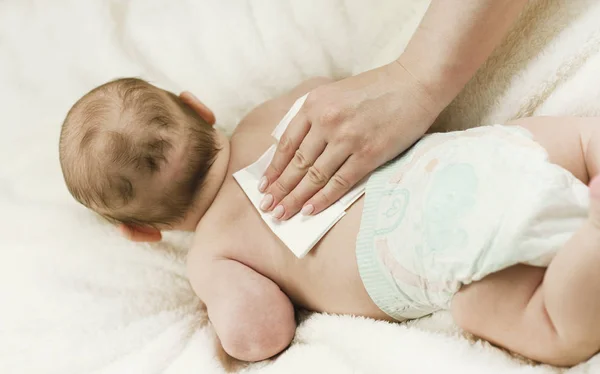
(77,298)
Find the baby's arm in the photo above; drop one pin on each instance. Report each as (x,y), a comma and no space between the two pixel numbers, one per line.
(252,317)
(571,142)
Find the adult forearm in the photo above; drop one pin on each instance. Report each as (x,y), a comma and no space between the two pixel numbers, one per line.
(454,39)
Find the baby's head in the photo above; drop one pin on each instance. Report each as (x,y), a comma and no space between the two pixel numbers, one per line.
(140,156)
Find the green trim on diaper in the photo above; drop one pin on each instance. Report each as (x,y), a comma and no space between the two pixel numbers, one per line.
(382,290)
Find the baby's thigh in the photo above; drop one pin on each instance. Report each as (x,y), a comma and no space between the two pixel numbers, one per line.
(487,307)
(565,139)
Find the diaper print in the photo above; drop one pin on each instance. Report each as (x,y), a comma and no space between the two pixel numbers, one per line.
(450,213)
(452,195)
(404,275)
(391,210)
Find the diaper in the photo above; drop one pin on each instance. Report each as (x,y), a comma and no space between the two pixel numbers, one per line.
(457,207)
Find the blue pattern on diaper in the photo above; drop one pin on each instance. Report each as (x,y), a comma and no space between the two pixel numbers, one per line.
(392,207)
(452,195)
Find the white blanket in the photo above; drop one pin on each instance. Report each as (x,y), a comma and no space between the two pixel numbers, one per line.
(77,298)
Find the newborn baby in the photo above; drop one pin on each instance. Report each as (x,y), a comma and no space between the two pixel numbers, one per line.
(150,161)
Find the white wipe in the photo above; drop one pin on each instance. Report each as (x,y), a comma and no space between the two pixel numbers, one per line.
(299,233)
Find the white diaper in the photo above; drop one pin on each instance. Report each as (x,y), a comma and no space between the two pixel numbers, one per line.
(457,207)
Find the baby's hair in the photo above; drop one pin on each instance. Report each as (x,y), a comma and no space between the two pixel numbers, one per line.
(118,138)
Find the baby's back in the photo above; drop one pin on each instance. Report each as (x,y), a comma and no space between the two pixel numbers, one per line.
(326,279)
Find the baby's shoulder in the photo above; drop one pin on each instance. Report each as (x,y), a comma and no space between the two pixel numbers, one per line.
(220,233)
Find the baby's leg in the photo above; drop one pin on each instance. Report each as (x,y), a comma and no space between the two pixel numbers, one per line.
(571,142)
(550,315)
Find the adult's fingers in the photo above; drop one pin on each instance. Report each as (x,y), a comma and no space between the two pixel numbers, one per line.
(317,176)
(350,173)
(309,151)
(286,148)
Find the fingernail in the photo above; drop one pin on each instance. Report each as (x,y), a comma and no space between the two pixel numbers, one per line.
(278,211)
(266,202)
(263,184)
(307,210)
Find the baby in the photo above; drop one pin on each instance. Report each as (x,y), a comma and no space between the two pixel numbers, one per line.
(151,161)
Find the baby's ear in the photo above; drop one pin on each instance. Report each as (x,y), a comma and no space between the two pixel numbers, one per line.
(139,233)
(202,110)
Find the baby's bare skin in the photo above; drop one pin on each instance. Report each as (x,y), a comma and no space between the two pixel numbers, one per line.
(233,229)
(249,279)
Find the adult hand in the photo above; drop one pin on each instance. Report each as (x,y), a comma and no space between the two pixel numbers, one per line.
(347,129)
(344,131)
